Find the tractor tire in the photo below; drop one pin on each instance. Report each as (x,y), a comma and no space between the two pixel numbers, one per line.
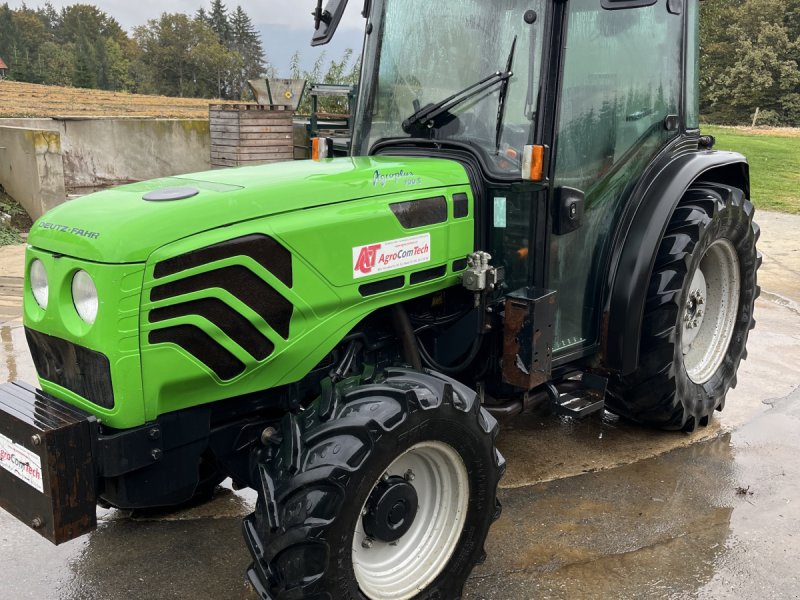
(379,490)
(698,314)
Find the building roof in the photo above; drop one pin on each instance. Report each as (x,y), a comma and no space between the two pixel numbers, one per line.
(3,65)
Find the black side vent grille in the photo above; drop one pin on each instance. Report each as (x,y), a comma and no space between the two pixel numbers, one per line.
(385,285)
(264,250)
(241,283)
(460,206)
(428,275)
(199,344)
(419,213)
(80,370)
(234,325)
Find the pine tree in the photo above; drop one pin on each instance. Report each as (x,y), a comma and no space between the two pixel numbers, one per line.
(218,19)
(85,69)
(246,41)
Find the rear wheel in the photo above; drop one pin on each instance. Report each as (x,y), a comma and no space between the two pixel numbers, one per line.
(698,315)
(379,491)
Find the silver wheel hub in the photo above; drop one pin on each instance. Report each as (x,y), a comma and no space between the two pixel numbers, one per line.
(710,311)
(411,522)
(694,310)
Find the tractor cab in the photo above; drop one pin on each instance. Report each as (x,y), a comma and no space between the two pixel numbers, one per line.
(556,108)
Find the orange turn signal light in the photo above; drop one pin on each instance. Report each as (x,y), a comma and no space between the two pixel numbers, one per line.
(533,163)
(321,147)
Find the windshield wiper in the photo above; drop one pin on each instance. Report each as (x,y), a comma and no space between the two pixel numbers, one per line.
(426,117)
(501,103)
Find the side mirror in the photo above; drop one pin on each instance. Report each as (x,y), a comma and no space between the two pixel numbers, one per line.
(327,20)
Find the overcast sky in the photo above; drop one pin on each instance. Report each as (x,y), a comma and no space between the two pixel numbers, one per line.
(289,13)
(285,25)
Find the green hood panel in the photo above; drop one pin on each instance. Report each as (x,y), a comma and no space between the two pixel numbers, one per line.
(118,226)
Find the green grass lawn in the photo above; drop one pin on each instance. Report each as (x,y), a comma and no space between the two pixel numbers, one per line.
(774,164)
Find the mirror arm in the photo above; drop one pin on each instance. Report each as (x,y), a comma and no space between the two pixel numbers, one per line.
(321,16)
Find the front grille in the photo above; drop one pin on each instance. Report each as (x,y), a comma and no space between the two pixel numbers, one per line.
(82,371)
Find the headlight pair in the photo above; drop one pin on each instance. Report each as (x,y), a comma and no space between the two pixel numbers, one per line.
(84,292)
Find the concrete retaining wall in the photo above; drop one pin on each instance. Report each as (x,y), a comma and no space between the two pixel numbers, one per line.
(101,152)
(98,152)
(32,168)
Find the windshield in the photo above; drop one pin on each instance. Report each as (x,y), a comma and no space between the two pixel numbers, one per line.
(422,52)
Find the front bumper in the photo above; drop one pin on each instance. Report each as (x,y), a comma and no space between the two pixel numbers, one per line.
(47,473)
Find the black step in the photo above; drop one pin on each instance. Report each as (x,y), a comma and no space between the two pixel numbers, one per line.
(579,398)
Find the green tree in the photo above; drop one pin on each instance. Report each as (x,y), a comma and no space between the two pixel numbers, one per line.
(182,56)
(118,67)
(8,35)
(750,58)
(85,66)
(55,63)
(245,41)
(218,19)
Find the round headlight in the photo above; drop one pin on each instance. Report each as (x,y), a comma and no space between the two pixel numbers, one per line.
(38,278)
(84,296)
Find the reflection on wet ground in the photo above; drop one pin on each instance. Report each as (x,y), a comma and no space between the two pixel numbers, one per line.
(653,528)
(718,519)
(715,519)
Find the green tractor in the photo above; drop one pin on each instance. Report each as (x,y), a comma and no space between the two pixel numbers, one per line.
(529,213)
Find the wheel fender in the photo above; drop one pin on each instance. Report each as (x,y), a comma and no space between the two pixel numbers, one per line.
(635,251)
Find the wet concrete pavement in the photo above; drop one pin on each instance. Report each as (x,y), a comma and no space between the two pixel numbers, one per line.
(592,509)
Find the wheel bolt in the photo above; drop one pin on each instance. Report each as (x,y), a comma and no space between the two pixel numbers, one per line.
(410,475)
(366,544)
(385,477)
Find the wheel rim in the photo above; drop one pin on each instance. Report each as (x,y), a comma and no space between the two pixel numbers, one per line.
(710,312)
(399,570)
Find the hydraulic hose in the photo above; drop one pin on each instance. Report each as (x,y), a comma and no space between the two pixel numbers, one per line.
(402,326)
(452,369)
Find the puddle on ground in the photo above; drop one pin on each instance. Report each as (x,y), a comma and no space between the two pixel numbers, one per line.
(704,521)
(718,519)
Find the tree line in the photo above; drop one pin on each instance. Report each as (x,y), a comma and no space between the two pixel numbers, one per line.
(210,54)
(749,55)
(750,60)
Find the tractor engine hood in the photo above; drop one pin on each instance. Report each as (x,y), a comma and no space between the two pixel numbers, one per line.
(126,224)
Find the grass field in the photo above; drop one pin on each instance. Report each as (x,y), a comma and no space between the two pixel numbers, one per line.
(774,156)
(32,100)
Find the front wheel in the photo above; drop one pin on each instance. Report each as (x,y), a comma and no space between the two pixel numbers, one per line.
(379,491)
(698,315)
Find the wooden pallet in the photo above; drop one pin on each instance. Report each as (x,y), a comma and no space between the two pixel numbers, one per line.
(250,134)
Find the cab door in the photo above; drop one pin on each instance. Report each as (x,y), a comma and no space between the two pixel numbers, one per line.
(619,106)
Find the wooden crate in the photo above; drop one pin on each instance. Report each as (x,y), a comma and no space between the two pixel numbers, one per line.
(250,134)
